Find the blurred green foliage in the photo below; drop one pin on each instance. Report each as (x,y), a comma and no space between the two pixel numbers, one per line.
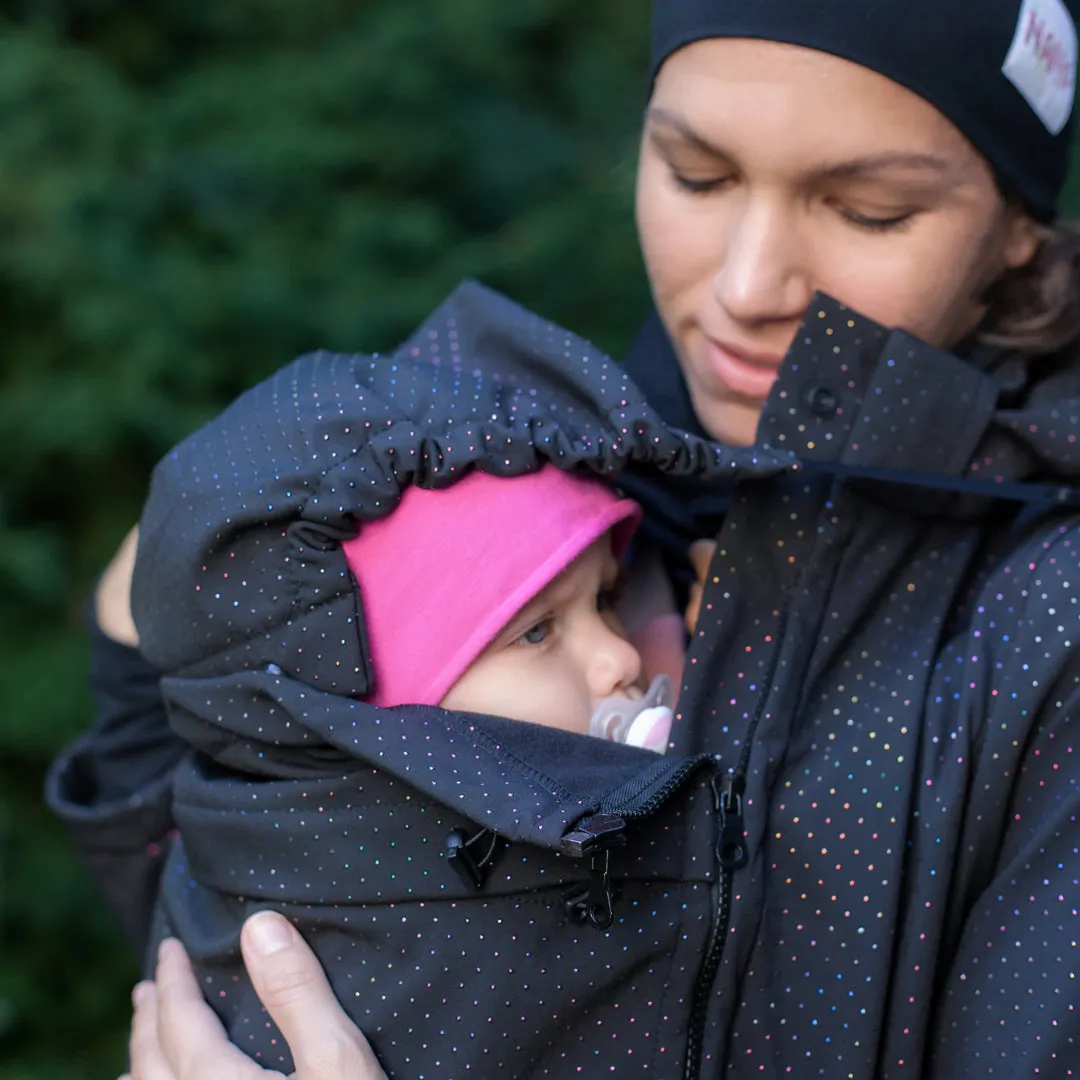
(189,196)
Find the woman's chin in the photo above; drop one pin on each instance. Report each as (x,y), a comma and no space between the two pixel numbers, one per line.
(733,423)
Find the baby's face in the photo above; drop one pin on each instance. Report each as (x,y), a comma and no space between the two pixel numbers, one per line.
(560,656)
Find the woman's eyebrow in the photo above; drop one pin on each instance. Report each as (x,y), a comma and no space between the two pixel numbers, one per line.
(655,114)
(852,169)
(875,163)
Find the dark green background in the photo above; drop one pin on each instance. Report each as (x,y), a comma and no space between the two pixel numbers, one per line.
(190,195)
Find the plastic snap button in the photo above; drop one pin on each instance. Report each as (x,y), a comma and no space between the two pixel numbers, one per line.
(822,400)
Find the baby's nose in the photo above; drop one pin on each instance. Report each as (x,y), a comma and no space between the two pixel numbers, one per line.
(615,666)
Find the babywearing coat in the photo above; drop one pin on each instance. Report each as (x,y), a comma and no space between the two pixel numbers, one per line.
(857,859)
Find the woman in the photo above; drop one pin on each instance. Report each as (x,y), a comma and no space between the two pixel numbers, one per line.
(884,657)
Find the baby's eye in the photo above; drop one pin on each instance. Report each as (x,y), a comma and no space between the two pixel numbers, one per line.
(535,635)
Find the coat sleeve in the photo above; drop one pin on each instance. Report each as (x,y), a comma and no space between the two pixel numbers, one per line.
(1008,1002)
(112,786)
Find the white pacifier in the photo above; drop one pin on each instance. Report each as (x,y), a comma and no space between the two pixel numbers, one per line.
(645,722)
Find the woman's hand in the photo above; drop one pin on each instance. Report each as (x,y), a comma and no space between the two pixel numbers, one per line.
(112,600)
(176,1036)
(701,554)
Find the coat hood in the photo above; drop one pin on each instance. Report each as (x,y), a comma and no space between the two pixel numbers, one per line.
(242,528)
(243,597)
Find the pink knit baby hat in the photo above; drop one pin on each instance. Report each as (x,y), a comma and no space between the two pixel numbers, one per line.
(446,570)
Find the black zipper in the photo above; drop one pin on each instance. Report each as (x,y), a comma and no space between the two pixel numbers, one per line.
(731,855)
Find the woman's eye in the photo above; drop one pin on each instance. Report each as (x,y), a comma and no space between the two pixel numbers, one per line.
(878,224)
(535,635)
(605,598)
(698,187)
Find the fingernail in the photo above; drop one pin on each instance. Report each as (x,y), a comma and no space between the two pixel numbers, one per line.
(140,993)
(166,948)
(269,933)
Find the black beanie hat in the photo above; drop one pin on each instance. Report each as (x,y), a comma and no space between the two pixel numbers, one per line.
(1003,71)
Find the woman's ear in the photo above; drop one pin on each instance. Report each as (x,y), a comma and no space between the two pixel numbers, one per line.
(1023,235)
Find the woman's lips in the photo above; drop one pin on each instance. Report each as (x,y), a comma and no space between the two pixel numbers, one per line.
(747,374)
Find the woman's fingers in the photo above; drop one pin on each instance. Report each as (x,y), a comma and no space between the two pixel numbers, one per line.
(176,1036)
(701,554)
(189,1037)
(112,600)
(661,643)
(325,1043)
(144,1047)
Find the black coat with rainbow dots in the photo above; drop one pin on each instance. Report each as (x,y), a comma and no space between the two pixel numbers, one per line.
(859,858)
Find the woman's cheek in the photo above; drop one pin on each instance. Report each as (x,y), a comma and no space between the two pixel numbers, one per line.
(680,235)
(884,282)
(875,287)
(924,280)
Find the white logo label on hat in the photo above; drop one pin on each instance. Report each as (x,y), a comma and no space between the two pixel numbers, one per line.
(1042,61)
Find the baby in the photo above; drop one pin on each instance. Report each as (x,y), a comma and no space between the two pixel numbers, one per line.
(494,596)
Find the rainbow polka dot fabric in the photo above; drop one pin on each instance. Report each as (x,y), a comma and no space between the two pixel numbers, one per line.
(858,859)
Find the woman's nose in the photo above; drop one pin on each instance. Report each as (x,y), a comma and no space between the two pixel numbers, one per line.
(614,665)
(762,277)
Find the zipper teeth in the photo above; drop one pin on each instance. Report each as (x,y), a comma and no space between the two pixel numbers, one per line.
(710,965)
(714,950)
(660,794)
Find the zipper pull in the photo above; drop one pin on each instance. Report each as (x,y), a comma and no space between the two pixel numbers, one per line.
(594,838)
(464,863)
(601,906)
(593,834)
(731,844)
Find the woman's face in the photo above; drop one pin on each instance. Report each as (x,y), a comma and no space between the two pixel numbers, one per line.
(769,172)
